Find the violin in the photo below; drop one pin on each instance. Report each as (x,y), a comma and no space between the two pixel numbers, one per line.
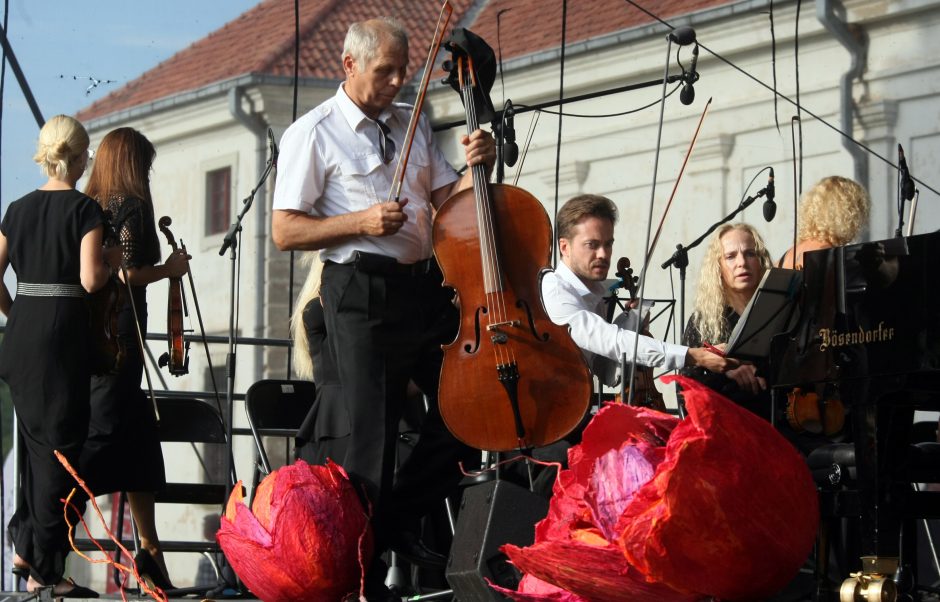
(176,359)
(104,306)
(644,388)
(807,412)
(511,379)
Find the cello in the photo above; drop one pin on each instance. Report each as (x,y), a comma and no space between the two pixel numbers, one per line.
(511,379)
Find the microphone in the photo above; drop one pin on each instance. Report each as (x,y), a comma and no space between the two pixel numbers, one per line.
(687,95)
(683,36)
(907,182)
(273,147)
(770,207)
(510,148)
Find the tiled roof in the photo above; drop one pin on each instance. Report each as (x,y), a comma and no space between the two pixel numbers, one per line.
(528,26)
(261,41)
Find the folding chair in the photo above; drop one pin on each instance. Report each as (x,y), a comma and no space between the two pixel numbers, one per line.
(191,420)
(276,408)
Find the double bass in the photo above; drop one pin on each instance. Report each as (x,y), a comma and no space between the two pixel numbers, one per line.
(512,379)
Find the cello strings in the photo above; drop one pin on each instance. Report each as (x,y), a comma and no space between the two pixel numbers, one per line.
(483,225)
(488,232)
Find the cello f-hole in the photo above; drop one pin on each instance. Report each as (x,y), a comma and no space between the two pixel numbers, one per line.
(523,305)
(476,328)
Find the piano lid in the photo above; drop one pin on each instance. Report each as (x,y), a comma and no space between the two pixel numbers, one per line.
(867,309)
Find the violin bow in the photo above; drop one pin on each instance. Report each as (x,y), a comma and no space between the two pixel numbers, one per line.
(442,21)
(659,229)
(140,340)
(688,153)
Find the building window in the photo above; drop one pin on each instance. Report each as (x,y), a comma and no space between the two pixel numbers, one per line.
(218,195)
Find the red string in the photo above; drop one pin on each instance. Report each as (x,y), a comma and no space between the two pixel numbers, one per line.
(156,593)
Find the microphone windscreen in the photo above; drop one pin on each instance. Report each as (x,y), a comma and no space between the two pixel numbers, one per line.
(770,210)
(683,36)
(510,153)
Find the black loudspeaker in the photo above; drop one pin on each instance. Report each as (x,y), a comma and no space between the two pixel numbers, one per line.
(491,514)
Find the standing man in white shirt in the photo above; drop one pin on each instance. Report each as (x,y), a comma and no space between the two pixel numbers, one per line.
(574,293)
(385,310)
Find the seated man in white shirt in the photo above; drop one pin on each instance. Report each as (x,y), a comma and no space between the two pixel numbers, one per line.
(574,293)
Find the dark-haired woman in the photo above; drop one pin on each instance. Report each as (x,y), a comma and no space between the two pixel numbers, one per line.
(123,448)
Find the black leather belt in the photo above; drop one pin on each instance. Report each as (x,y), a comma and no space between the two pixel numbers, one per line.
(380,265)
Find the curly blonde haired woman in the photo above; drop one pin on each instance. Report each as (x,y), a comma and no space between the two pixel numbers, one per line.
(733,266)
(832,213)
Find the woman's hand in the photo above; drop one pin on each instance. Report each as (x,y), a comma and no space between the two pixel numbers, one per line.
(113,257)
(746,377)
(177,264)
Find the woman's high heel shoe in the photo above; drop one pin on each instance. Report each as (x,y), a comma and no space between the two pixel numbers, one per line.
(150,571)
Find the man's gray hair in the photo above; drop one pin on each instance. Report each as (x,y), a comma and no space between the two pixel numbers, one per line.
(364,37)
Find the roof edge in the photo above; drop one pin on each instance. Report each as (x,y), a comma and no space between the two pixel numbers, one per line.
(639,32)
(189,97)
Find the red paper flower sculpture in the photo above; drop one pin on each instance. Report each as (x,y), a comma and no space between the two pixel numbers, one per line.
(302,539)
(651,508)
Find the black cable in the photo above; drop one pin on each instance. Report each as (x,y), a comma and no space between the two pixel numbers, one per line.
(796,60)
(3,74)
(773,63)
(861,145)
(561,103)
(583,116)
(499,53)
(290,271)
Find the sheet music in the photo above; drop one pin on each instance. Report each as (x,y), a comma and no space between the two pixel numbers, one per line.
(766,315)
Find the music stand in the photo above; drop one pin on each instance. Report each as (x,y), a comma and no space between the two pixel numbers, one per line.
(767,314)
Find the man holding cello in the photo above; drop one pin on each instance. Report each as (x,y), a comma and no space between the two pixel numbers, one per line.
(385,309)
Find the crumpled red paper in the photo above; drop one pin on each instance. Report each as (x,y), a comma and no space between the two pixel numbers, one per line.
(305,538)
(652,508)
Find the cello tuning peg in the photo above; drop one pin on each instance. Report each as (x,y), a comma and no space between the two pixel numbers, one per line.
(447,65)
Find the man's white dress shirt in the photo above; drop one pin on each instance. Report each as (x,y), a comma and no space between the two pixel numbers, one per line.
(330,164)
(569,300)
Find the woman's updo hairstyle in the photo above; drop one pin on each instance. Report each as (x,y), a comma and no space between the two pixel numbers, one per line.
(62,142)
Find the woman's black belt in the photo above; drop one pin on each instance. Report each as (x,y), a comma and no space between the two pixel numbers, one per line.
(32,289)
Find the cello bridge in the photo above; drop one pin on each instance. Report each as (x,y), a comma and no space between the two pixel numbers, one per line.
(497,325)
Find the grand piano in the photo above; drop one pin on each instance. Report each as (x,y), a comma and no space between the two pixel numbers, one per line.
(868,324)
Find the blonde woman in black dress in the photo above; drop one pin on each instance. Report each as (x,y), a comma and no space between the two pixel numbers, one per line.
(52,238)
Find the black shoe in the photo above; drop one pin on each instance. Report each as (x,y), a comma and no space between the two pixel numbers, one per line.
(410,547)
(77,591)
(150,571)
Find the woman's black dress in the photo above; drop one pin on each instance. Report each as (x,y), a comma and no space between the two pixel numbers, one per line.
(123,451)
(760,403)
(44,360)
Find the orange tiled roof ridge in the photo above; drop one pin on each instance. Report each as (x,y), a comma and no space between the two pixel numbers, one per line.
(261,40)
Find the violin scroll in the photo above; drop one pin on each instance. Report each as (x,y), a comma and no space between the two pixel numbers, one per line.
(177,356)
(646,393)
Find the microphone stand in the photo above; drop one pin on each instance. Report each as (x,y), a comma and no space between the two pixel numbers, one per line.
(230,243)
(682,37)
(680,258)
